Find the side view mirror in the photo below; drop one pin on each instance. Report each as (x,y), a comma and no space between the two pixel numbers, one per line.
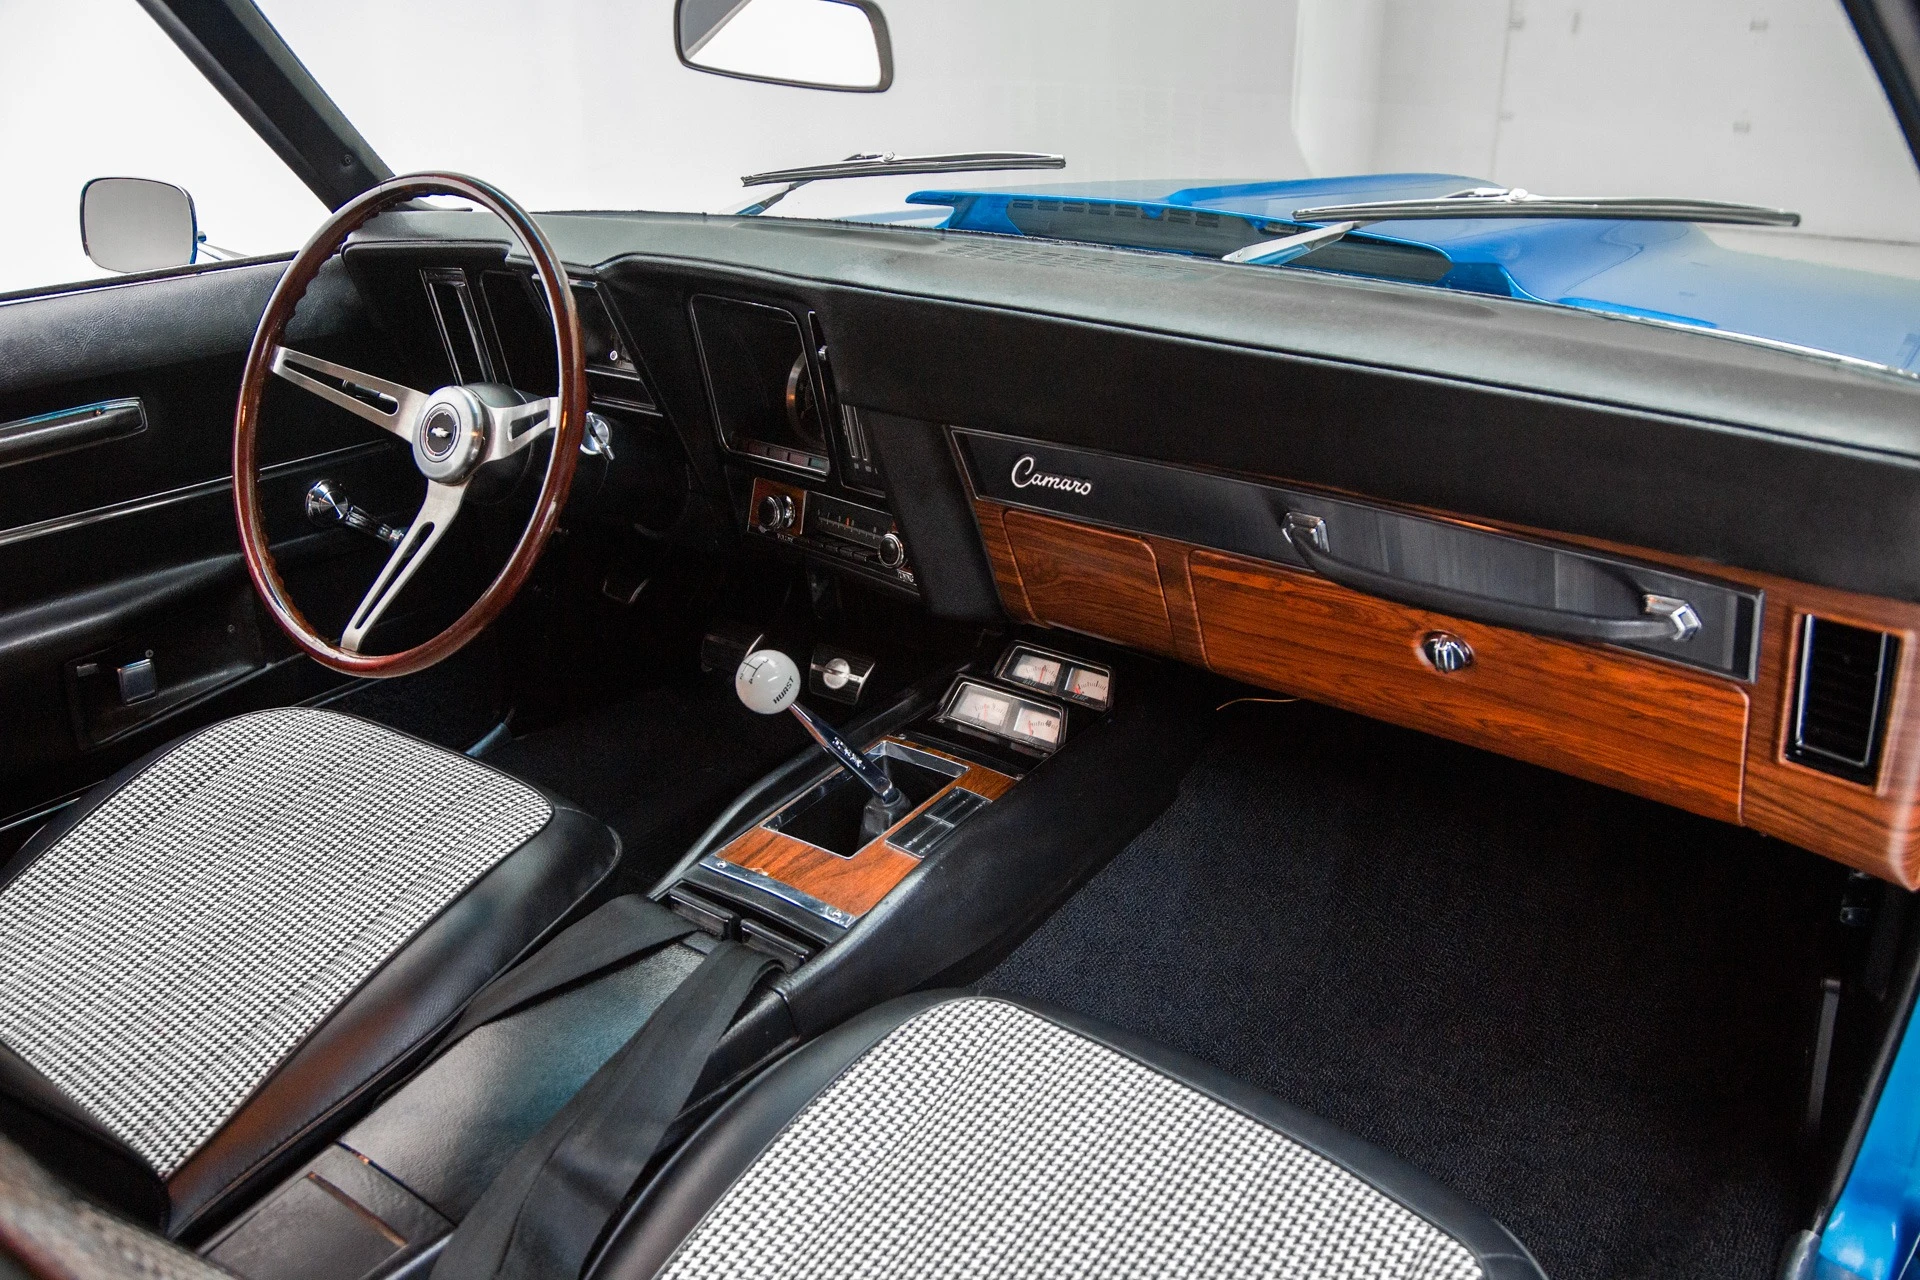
(813,44)
(137,224)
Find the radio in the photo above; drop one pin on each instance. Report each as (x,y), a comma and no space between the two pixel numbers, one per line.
(847,532)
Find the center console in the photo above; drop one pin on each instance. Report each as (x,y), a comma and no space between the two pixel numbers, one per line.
(815,861)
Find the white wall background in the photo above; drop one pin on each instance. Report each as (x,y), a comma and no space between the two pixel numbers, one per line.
(582,104)
(1768,101)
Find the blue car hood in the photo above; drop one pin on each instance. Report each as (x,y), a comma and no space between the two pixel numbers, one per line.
(1669,271)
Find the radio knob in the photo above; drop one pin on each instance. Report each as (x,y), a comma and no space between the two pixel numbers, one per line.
(893,552)
(774,513)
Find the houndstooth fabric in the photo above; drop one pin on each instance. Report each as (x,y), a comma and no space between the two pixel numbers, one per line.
(980,1139)
(163,957)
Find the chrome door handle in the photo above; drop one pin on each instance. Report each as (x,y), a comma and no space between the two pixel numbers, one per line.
(1660,617)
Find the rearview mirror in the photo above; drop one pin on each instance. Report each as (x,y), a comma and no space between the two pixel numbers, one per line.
(137,224)
(814,44)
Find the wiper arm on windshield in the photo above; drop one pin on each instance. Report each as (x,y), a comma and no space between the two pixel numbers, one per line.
(869,166)
(1512,202)
(1502,202)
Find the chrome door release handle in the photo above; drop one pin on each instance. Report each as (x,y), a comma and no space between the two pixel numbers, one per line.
(327,506)
(1661,617)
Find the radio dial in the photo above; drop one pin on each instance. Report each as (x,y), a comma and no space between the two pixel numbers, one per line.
(893,552)
(775,512)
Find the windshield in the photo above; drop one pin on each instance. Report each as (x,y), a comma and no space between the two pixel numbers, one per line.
(1204,128)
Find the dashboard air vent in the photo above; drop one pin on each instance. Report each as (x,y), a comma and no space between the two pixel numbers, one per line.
(1840,705)
(863,469)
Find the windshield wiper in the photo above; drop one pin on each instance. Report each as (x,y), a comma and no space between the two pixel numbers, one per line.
(1502,202)
(874,165)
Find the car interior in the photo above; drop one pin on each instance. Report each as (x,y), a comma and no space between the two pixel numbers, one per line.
(904,729)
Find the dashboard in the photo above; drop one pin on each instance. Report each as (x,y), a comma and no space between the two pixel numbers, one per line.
(1670,563)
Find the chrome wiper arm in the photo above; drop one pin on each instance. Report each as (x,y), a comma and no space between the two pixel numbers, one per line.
(1512,202)
(1274,253)
(872,165)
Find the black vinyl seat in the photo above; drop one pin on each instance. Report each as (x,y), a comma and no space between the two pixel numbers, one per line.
(208,960)
(949,1133)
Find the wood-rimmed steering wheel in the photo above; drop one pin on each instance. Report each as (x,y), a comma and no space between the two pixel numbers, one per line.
(454,433)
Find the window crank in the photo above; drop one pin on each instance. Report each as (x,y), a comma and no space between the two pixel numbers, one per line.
(327,506)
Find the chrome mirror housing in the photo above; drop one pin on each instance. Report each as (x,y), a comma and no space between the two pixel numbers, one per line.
(137,224)
(811,44)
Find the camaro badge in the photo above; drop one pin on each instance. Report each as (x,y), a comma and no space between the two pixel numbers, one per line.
(1027,475)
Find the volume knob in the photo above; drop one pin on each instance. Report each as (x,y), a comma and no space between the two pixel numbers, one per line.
(893,552)
(774,512)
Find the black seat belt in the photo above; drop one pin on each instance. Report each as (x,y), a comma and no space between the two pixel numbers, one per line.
(618,930)
(541,1216)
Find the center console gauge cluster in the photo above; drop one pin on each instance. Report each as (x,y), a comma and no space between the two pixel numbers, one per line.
(988,709)
(1031,702)
(1086,683)
(859,537)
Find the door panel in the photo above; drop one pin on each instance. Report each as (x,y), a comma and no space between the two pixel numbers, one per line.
(117,542)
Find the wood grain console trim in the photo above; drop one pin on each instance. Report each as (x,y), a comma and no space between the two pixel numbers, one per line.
(1643,726)
(854,884)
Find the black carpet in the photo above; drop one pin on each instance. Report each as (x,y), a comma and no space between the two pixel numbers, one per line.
(1583,1011)
(453,703)
(657,768)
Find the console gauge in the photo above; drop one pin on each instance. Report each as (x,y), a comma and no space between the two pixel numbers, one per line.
(1036,669)
(1086,683)
(1003,714)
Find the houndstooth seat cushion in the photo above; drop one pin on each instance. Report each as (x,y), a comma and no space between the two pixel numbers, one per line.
(979,1138)
(164,956)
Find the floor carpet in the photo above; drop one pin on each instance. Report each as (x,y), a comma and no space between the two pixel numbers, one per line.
(1583,1011)
(657,768)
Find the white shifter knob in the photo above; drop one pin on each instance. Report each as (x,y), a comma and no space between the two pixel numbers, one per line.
(768,681)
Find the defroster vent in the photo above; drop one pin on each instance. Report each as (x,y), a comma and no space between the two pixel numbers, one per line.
(1844,685)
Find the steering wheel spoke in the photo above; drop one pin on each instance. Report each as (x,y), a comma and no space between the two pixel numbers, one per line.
(515,428)
(387,405)
(436,513)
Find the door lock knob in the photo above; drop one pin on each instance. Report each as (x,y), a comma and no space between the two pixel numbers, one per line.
(1446,651)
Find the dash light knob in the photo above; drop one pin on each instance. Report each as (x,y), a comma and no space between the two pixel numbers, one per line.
(774,513)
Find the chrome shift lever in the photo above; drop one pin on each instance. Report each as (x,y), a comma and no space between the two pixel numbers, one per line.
(769,683)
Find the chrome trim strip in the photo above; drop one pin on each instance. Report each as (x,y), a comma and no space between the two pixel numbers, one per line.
(171,497)
(780,889)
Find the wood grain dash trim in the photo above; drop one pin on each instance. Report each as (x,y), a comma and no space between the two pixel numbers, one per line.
(1176,585)
(1091,580)
(1643,726)
(1006,572)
